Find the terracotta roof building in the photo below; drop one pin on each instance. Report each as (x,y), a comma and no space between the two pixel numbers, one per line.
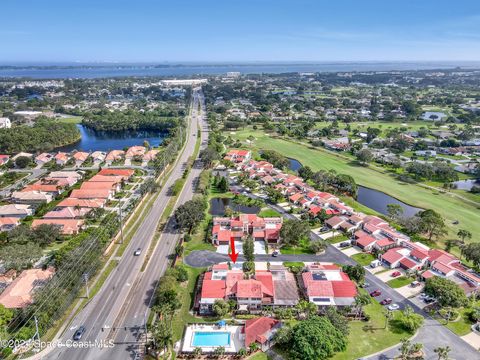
(20,292)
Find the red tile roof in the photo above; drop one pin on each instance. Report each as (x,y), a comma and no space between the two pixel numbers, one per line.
(409,264)
(121,172)
(213,289)
(346,289)
(255,329)
(392,256)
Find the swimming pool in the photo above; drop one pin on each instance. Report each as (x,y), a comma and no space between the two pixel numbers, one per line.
(203,338)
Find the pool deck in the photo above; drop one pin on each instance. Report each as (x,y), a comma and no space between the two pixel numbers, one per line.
(237,339)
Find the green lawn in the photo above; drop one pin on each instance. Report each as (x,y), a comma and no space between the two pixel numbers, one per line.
(267,212)
(363,259)
(293,264)
(186,292)
(337,238)
(450,207)
(71,119)
(369,337)
(258,356)
(462,325)
(399,282)
(303,248)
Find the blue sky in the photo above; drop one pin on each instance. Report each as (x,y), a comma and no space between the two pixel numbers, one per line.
(238,30)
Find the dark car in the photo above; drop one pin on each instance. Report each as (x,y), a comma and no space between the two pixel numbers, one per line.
(386,301)
(345,244)
(376,293)
(79,333)
(275,253)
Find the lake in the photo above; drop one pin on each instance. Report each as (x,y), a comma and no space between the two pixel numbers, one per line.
(89,71)
(219,205)
(466,184)
(104,141)
(371,198)
(294,164)
(378,201)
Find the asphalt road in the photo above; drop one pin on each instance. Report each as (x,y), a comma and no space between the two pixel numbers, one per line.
(124,298)
(431,335)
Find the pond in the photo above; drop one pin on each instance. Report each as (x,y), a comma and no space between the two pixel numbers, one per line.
(219,205)
(378,201)
(371,198)
(466,184)
(104,141)
(294,164)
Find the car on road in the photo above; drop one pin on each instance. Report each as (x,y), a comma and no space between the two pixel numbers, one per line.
(376,293)
(79,333)
(137,252)
(393,307)
(396,274)
(386,301)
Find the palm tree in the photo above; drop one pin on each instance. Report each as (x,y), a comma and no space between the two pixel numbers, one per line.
(463,234)
(360,301)
(443,352)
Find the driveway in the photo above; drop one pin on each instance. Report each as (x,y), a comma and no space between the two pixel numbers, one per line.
(409,291)
(387,275)
(351,251)
(259,248)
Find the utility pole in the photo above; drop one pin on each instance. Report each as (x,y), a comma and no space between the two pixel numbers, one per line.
(36,329)
(85,278)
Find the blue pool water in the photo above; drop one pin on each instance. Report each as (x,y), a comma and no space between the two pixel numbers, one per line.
(211,339)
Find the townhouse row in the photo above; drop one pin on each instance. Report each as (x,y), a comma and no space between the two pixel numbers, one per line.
(323,284)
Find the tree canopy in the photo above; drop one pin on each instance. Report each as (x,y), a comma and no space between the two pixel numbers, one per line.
(447,292)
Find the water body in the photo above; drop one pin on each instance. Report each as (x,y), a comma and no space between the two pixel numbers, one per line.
(146,70)
(467,184)
(104,141)
(294,164)
(219,205)
(378,201)
(371,198)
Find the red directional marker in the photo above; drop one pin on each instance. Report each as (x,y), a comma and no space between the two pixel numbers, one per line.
(233,255)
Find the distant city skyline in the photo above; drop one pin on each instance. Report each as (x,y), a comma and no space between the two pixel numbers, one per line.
(149,31)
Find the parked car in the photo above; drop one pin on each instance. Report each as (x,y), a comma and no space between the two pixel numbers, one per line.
(375,263)
(393,307)
(137,252)
(422,296)
(415,284)
(275,253)
(344,244)
(79,333)
(365,285)
(396,274)
(429,299)
(376,293)
(386,301)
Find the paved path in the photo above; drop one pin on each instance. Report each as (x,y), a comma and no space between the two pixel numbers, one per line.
(34,174)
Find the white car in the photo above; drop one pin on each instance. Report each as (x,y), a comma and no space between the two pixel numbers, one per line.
(393,307)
